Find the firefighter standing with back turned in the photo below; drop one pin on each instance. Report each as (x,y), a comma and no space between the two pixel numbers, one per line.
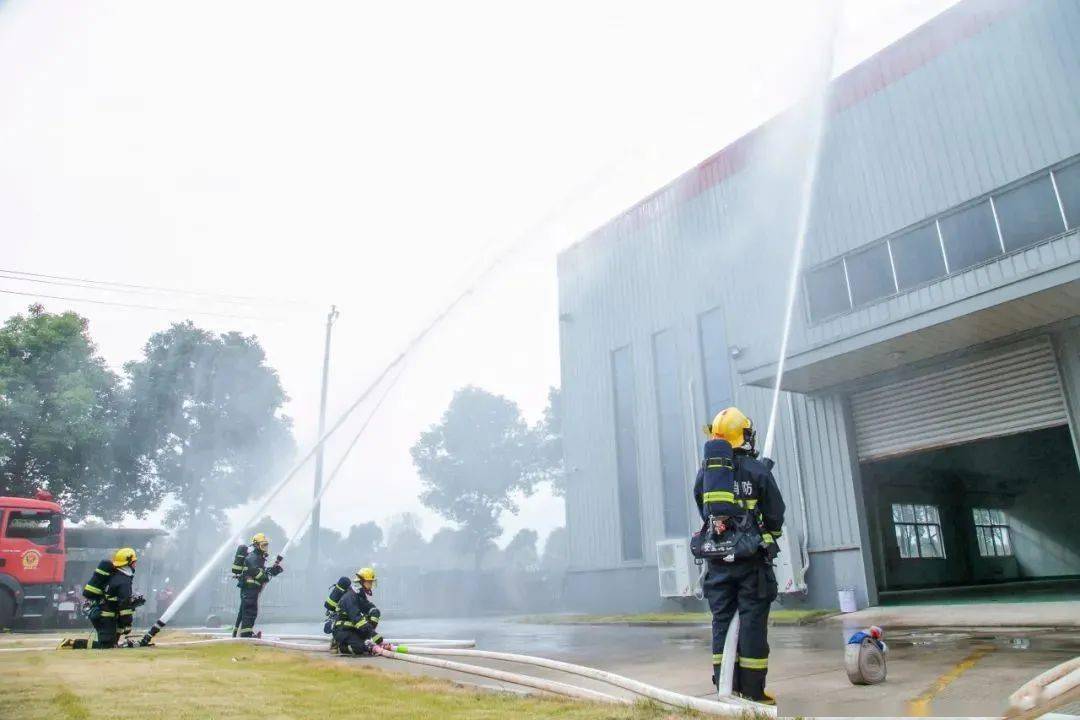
(741,506)
(252,580)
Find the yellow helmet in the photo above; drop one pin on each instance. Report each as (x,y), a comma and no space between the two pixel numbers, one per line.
(366,574)
(124,557)
(260,541)
(731,424)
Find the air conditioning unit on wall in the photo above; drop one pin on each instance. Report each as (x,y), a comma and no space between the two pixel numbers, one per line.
(673,564)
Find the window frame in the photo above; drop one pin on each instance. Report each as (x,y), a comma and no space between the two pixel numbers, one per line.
(1003,251)
(632,456)
(899,527)
(842,262)
(670,504)
(869,247)
(55,522)
(986,534)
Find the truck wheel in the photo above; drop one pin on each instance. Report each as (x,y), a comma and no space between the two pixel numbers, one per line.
(7,609)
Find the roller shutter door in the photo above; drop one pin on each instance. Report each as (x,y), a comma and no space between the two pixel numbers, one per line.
(1014,391)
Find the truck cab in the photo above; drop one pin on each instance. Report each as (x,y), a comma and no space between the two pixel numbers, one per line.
(32,556)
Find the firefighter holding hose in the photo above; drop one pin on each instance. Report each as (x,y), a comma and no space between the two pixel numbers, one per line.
(743,514)
(357,620)
(253,577)
(112,604)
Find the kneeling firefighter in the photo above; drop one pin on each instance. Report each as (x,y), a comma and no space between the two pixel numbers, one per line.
(356,626)
(111,606)
(743,514)
(253,577)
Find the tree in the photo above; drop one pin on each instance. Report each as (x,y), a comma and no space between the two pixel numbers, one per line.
(361,544)
(448,550)
(270,529)
(556,551)
(63,420)
(549,456)
(473,460)
(331,547)
(405,545)
(520,552)
(207,418)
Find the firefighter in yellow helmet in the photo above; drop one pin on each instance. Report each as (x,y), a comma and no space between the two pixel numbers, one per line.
(112,603)
(356,627)
(251,581)
(743,515)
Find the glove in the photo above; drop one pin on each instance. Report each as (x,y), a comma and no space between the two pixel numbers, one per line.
(771,551)
(275,570)
(138,601)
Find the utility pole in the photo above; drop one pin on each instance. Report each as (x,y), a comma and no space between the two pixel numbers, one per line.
(314,560)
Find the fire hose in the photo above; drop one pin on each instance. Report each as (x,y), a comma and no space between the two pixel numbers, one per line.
(1060,685)
(735,709)
(501,675)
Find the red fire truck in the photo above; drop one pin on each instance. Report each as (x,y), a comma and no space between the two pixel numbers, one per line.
(32,557)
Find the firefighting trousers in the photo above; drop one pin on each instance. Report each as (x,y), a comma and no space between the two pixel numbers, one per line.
(350,641)
(104,632)
(249,610)
(750,588)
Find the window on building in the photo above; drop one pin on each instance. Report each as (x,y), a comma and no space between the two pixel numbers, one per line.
(669,418)
(1068,185)
(715,361)
(1029,213)
(917,256)
(626,454)
(39,526)
(918,531)
(826,290)
(970,236)
(992,531)
(870,274)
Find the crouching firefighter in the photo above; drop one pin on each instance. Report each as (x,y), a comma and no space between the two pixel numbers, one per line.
(743,514)
(111,603)
(253,577)
(356,626)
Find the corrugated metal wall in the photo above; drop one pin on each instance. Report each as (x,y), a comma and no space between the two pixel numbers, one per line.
(1016,389)
(993,109)
(956,127)
(633,286)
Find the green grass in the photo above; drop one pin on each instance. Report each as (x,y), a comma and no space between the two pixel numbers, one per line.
(257,683)
(776,617)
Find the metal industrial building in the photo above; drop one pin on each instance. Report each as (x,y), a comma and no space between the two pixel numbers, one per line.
(927,435)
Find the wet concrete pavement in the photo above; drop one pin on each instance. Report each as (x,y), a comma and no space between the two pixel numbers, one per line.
(931,671)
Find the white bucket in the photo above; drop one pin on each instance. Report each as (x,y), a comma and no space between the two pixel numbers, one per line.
(847,600)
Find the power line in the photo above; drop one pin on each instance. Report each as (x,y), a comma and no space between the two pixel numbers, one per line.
(139,306)
(130,287)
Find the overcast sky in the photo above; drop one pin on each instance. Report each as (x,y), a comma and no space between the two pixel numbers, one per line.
(369,155)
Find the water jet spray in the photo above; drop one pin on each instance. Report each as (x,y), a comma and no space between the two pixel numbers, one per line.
(229,542)
(818,106)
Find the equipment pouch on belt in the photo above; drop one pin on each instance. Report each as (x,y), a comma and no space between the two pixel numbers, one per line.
(92,610)
(727,539)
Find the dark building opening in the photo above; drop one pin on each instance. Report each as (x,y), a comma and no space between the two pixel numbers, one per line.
(987,512)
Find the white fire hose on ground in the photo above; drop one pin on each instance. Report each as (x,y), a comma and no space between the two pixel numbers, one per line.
(415,655)
(1054,688)
(734,709)
(503,676)
(324,638)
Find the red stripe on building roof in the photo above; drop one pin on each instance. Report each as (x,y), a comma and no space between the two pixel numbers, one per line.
(957,24)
